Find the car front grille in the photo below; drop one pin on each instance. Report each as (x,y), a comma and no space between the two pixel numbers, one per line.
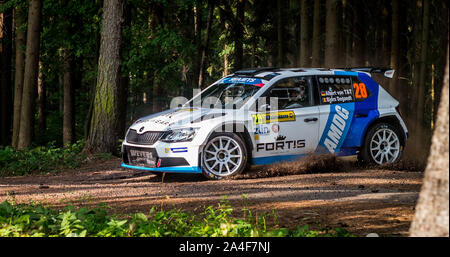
(147,138)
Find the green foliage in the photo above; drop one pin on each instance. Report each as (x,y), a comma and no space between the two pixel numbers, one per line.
(40,159)
(215,221)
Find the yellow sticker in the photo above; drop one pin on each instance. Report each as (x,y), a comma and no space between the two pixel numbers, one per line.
(273,117)
(186,110)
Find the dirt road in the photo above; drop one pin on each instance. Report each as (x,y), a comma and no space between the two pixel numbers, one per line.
(360,200)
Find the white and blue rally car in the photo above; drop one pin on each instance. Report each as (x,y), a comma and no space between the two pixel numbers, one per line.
(267,115)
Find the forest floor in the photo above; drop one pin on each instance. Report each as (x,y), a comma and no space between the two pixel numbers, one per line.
(360,200)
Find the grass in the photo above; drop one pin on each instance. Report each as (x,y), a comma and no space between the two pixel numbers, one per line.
(36,220)
(43,159)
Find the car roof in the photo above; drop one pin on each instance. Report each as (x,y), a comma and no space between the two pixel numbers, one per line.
(267,73)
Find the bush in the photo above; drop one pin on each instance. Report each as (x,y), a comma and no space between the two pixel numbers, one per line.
(39,221)
(40,159)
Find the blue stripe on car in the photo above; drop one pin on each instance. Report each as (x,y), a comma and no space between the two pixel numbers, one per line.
(327,142)
(273,159)
(194,169)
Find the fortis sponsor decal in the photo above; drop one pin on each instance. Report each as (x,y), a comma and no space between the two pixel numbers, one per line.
(337,128)
(281,145)
(273,117)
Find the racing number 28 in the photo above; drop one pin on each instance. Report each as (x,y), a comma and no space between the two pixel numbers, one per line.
(360,90)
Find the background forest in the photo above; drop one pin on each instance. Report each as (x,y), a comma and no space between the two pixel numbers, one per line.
(51,54)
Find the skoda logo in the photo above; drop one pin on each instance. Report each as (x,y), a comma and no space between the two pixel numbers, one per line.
(141,129)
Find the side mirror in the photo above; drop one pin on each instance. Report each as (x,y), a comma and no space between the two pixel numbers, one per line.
(264,108)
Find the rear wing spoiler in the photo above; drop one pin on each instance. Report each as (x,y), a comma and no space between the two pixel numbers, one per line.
(388,72)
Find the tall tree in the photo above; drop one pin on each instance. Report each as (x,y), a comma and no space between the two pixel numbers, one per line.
(68,102)
(104,135)
(239,35)
(359,27)
(280,32)
(304,35)
(432,210)
(30,74)
(423,65)
(331,40)
(205,44)
(394,47)
(67,80)
(5,73)
(19,69)
(155,21)
(316,45)
(42,100)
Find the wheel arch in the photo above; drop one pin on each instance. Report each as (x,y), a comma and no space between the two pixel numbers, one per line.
(238,128)
(390,119)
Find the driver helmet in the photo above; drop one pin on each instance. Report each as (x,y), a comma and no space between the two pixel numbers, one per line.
(302,93)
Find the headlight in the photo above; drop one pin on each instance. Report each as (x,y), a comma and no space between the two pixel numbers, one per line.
(179,135)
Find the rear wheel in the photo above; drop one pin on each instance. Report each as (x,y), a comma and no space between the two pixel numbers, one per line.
(382,144)
(224,156)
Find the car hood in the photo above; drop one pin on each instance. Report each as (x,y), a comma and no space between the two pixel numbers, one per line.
(177,118)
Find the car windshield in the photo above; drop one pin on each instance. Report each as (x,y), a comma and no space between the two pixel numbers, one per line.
(226,95)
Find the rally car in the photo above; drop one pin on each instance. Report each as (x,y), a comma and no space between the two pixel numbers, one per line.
(267,115)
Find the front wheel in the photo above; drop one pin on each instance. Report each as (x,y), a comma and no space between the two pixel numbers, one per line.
(224,156)
(382,144)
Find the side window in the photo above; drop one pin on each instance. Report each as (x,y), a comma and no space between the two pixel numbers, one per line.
(295,92)
(335,89)
(361,92)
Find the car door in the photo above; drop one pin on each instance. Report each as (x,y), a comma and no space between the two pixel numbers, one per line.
(336,111)
(287,126)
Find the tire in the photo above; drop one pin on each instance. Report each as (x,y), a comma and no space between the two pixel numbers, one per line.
(224,156)
(382,144)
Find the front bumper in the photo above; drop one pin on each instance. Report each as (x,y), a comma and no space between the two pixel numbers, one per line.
(162,157)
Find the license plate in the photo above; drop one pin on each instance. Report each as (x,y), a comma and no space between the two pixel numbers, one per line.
(142,157)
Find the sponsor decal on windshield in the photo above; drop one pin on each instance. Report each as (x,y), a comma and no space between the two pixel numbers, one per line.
(246,81)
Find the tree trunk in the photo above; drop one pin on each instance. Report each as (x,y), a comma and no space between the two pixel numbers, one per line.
(226,62)
(331,40)
(30,75)
(359,41)
(239,34)
(197,38)
(103,135)
(423,65)
(394,48)
(156,94)
(124,78)
(6,58)
(280,31)
(42,99)
(347,33)
(431,217)
(18,77)
(415,59)
(68,117)
(304,35)
(205,45)
(316,45)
